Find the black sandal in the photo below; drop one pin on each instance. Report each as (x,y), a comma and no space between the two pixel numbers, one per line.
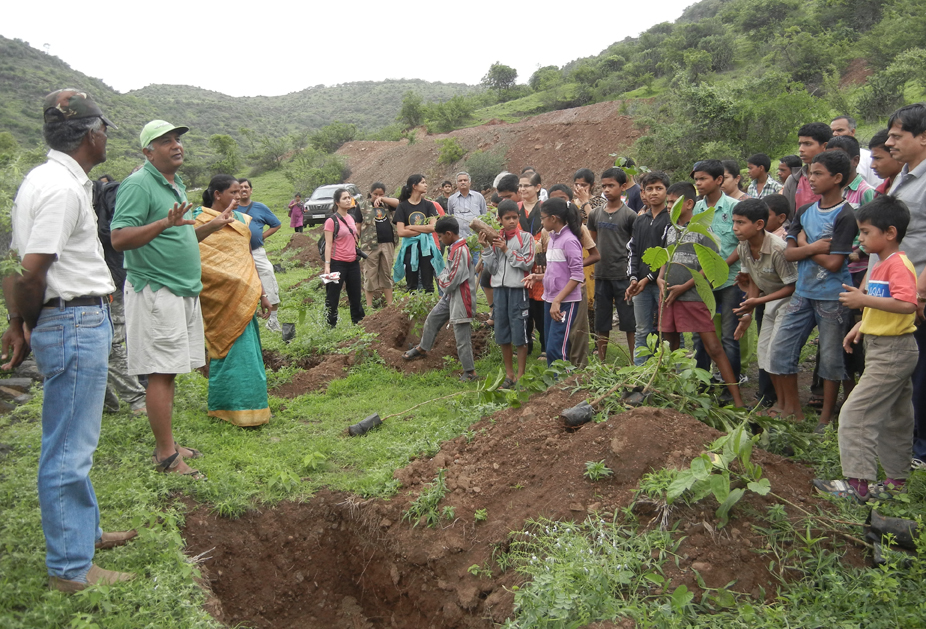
(169,464)
(415,352)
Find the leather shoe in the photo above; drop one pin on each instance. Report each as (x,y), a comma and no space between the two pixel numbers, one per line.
(94,575)
(116,538)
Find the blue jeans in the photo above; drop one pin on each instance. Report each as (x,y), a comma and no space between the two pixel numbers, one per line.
(645,309)
(71,347)
(801,315)
(727,299)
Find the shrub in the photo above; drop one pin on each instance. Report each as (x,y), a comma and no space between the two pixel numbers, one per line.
(450,151)
(483,167)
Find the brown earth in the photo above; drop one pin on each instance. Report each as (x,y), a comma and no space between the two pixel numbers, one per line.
(856,73)
(317,372)
(338,561)
(396,336)
(556,143)
(306,247)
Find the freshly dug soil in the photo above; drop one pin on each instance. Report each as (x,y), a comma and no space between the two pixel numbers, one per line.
(318,372)
(396,337)
(306,247)
(339,561)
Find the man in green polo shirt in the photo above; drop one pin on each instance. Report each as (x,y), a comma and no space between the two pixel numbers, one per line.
(164,325)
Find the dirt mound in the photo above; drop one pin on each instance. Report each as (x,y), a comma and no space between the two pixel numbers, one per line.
(396,336)
(318,372)
(342,562)
(555,143)
(306,247)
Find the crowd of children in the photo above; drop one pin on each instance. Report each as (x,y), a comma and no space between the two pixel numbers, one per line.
(820,250)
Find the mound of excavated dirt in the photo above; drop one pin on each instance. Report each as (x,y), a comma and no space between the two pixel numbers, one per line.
(396,337)
(340,562)
(306,247)
(556,143)
(317,372)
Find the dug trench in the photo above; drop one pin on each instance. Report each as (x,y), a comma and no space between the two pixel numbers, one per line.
(340,561)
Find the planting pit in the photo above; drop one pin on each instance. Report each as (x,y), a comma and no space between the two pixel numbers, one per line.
(317,372)
(396,336)
(340,561)
(306,247)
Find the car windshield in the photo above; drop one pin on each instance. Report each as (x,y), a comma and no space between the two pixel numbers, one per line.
(325,192)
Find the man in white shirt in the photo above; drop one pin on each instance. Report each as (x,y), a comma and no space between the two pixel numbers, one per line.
(60,305)
(846,125)
(465,205)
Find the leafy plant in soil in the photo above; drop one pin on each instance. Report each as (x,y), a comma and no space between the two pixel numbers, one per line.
(597,470)
(424,508)
(713,472)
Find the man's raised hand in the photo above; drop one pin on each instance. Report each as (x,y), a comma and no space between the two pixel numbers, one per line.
(176,213)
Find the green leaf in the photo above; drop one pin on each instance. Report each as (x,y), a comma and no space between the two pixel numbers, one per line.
(704,219)
(704,231)
(715,267)
(681,597)
(761,487)
(701,467)
(724,510)
(720,487)
(658,579)
(677,210)
(680,485)
(656,257)
(705,292)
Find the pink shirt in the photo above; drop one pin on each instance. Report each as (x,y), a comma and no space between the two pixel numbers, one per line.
(345,245)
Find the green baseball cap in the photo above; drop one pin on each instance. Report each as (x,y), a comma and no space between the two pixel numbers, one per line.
(157,128)
(72,104)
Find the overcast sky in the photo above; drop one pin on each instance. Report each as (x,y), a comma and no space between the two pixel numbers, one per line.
(272,47)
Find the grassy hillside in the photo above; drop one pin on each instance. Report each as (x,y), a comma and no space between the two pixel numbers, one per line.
(27,74)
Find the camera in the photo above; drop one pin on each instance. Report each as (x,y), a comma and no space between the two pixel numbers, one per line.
(361,254)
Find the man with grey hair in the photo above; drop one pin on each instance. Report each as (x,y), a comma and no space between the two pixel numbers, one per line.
(60,305)
(163,320)
(846,125)
(465,205)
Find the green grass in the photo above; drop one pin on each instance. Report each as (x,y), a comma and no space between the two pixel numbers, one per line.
(304,447)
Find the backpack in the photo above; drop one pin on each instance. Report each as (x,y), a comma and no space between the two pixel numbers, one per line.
(322,245)
(104,203)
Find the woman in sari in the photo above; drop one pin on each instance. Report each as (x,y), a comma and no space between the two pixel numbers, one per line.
(230,297)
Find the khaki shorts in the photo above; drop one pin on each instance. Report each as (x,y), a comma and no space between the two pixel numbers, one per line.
(377,269)
(268,278)
(164,332)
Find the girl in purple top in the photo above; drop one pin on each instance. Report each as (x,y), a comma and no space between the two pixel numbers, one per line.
(563,275)
(296,213)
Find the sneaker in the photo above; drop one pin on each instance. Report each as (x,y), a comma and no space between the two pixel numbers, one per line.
(918,464)
(882,491)
(274,325)
(839,489)
(94,576)
(744,378)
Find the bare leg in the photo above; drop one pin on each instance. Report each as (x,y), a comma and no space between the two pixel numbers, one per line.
(160,403)
(602,343)
(388,292)
(674,338)
(791,405)
(631,338)
(522,360)
(715,351)
(507,360)
(830,391)
(778,406)
(369,296)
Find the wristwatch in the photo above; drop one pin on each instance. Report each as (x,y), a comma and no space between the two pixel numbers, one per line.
(12,315)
